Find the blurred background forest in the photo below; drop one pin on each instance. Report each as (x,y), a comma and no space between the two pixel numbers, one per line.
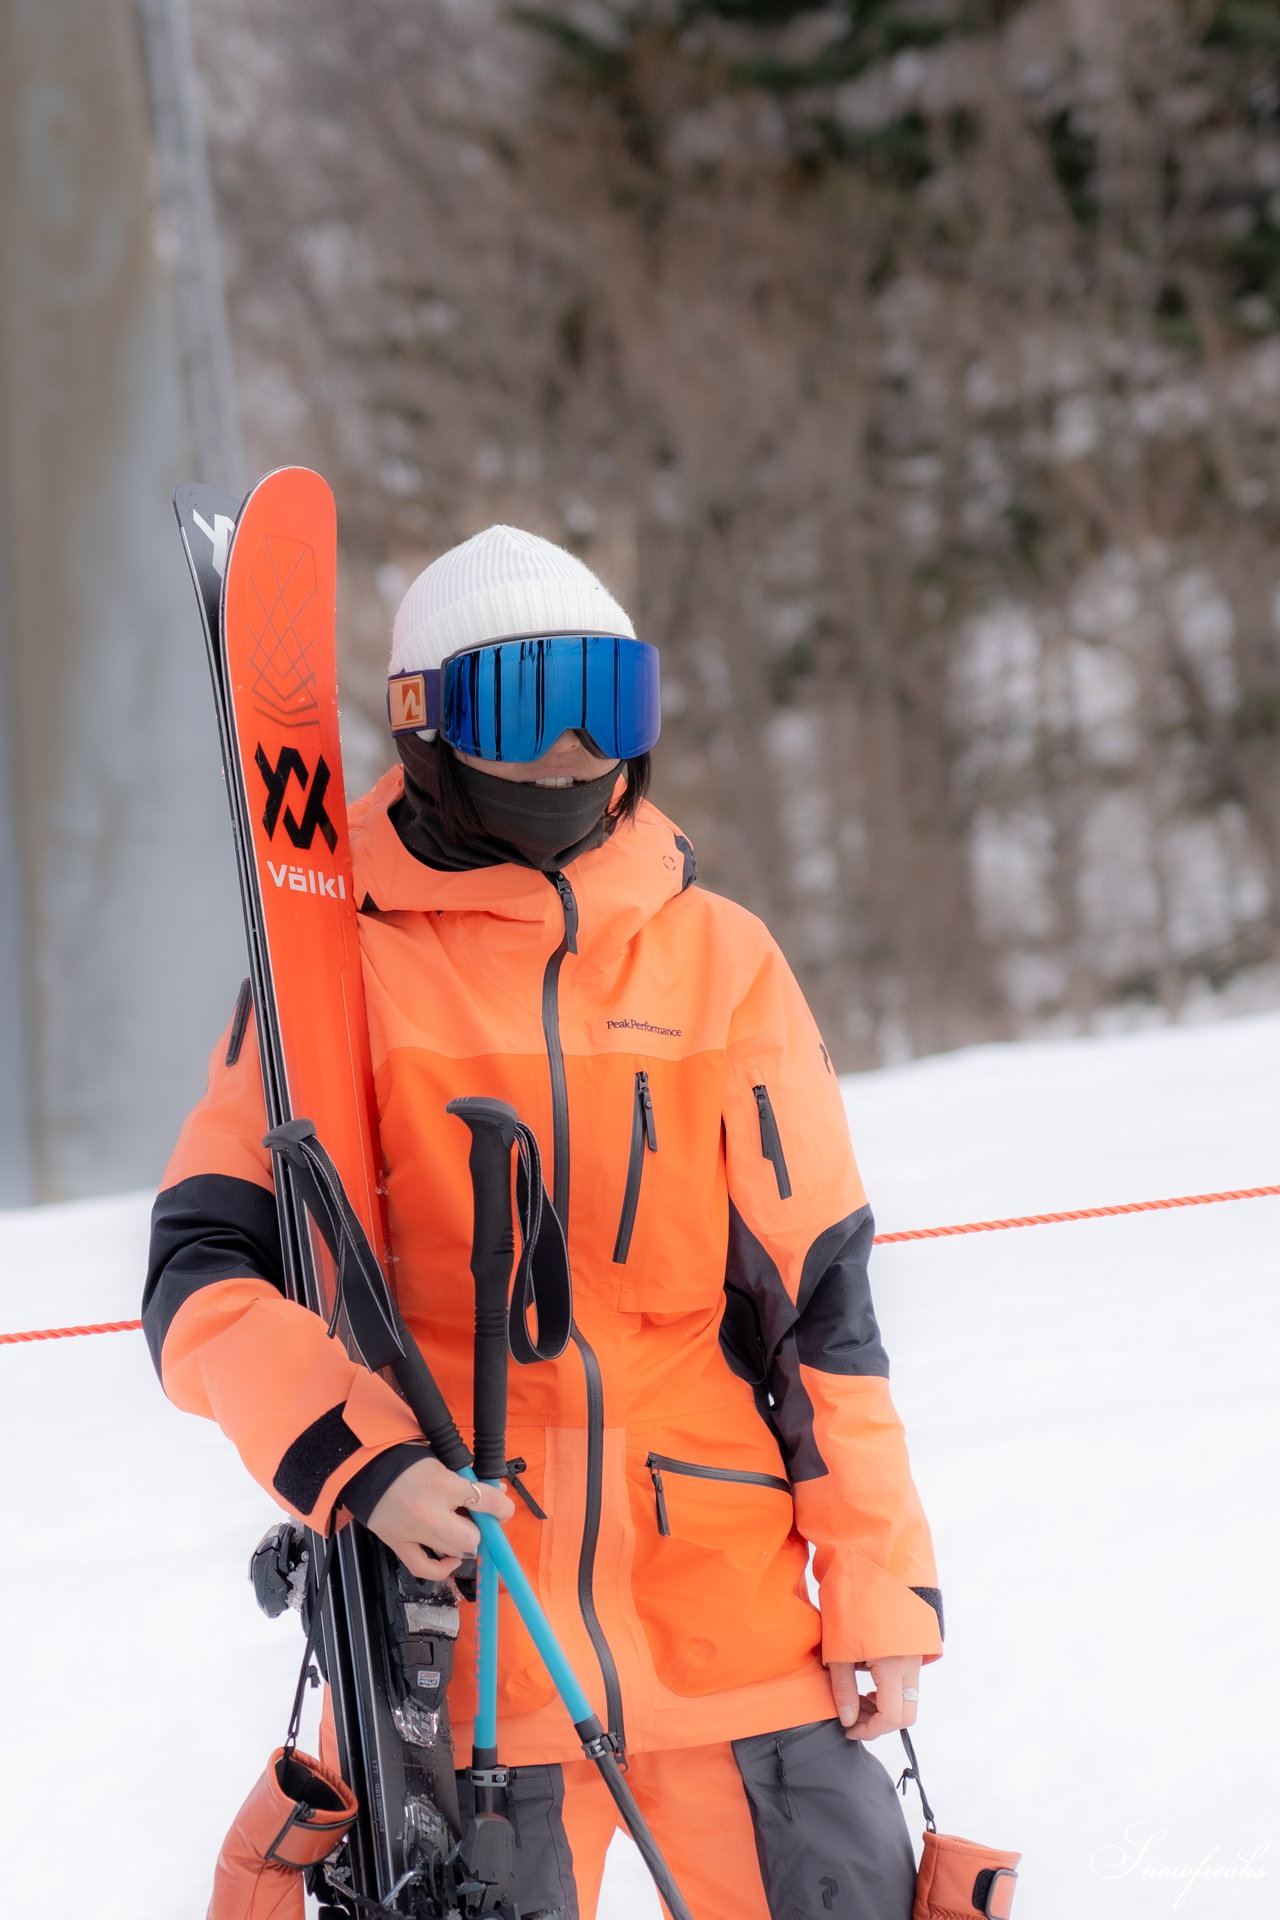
(909,368)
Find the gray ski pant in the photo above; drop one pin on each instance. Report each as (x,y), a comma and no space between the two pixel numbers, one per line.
(797,1825)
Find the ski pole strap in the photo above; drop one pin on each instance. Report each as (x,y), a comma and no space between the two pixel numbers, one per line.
(912,1772)
(374,1319)
(361,1283)
(542,1273)
(313,1634)
(542,1276)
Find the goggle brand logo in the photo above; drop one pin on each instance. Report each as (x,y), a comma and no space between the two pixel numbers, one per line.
(407,702)
(292,766)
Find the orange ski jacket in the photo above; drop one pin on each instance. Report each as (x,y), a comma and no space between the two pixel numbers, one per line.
(724,1403)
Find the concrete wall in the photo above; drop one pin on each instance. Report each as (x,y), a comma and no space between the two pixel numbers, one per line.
(121,949)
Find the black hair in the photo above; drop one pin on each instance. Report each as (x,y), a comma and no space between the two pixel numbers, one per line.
(460,821)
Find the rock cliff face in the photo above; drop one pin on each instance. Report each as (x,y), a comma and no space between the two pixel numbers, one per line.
(911,372)
(120,949)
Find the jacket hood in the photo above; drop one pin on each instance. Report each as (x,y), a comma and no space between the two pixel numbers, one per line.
(618,886)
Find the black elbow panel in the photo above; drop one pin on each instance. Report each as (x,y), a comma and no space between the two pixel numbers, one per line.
(831,1328)
(836,1328)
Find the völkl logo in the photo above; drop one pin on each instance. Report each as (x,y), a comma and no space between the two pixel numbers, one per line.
(292,766)
(308,880)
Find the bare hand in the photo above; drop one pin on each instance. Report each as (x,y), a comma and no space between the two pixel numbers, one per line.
(866,1715)
(418,1516)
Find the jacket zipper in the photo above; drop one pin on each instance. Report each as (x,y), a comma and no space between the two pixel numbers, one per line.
(514,1469)
(660,1463)
(644,1135)
(771,1141)
(590,1365)
(555,1057)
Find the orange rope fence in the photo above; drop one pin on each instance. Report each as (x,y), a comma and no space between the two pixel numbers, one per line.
(1079,1213)
(882,1240)
(66,1333)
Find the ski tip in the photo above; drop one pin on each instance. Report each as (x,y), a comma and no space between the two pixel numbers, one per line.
(291,503)
(297,488)
(193,496)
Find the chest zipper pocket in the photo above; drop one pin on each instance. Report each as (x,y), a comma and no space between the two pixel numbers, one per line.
(660,1463)
(771,1141)
(644,1139)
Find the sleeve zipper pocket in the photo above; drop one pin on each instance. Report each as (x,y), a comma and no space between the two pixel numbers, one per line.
(660,1463)
(771,1141)
(644,1138)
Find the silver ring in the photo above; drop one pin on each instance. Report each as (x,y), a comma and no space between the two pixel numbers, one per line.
(910,1693)
(473,1498)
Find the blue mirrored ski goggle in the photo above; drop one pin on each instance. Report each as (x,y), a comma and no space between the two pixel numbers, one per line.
(513,699)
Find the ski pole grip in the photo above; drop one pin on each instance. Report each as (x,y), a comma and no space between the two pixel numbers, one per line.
(494,1126)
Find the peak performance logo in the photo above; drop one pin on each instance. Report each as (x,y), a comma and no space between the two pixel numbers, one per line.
(646,1026)
(292,766)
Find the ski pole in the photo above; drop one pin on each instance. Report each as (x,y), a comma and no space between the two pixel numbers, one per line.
(488,1846)
(596,1744)
(494,1127)
(383,1340)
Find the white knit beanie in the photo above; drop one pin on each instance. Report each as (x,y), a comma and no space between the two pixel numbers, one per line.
(501,583)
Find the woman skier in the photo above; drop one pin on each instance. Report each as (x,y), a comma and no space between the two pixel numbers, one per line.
(531,930)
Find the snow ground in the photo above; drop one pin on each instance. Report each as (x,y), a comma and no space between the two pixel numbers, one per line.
(1091,1418)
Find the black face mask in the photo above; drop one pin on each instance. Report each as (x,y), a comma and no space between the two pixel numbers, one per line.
(541,827)
(547,826)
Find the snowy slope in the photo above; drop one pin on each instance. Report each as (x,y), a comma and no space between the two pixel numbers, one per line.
(1090,1411)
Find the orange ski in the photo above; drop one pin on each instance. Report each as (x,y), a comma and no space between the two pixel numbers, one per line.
(265,582)
(278,627)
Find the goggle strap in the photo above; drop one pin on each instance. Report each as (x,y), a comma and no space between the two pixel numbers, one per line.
(413,700)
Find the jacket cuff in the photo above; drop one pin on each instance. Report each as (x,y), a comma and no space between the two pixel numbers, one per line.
(330,1452)
(366,1487)
(870,1614)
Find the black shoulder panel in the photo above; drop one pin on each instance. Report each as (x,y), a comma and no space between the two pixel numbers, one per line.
(209,1228)
(685,850)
